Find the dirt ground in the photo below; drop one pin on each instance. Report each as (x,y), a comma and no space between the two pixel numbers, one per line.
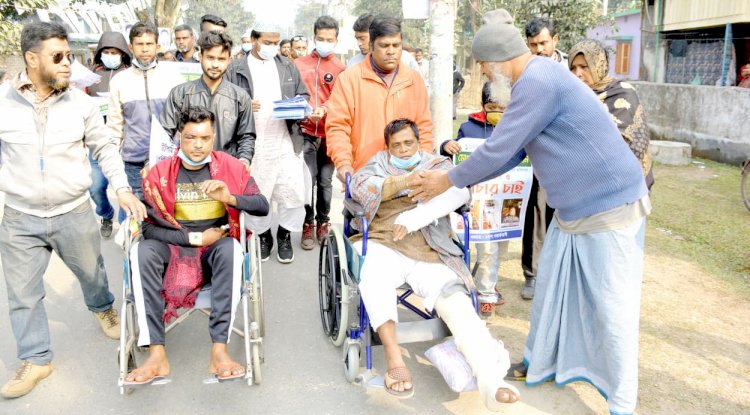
(695,324)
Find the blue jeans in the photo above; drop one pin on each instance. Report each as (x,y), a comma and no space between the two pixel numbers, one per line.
(98,191)
(133,171)
(26,243)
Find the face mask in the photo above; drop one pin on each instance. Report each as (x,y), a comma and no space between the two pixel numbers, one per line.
(324,48)
(494,117)
(299,53)
(187,160)
(268,52)
(143,67)
(246,47)
(406,164)
(111,61)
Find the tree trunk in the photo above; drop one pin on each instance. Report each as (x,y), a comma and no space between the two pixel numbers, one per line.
(166,12)
(442,19)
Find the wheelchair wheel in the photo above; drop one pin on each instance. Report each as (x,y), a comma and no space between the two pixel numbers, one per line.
(257,287)
(257,377)
(332,289)
(351,364)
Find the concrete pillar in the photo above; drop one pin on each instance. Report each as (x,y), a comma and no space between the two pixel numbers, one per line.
(671,152)
(442,18)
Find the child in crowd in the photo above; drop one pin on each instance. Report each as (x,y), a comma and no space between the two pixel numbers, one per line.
(480,125)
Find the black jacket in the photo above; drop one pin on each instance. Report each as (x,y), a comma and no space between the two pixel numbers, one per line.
(292,85)
(235,126)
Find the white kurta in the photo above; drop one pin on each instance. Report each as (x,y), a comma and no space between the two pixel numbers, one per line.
(278,171)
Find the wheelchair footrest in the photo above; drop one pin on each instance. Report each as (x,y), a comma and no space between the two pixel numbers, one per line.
(421,331)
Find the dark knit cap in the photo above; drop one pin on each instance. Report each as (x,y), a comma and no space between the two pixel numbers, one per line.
(498,40)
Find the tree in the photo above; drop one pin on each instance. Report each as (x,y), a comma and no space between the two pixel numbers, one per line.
(13,13)
(166,12)
(232,11)
(306,16)
(415,32)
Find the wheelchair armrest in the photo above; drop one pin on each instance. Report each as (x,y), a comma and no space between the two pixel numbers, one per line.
(353,208)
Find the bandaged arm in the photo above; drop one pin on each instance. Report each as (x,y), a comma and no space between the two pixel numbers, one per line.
(432,210)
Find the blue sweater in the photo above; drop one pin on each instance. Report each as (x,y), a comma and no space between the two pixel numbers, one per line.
(577,151)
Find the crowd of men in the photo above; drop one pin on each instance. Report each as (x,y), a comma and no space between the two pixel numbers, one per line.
(370,119)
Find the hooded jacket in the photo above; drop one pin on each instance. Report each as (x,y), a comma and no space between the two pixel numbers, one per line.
(238,73)
(319,75)
(360,107)
(106,41)
(476,127)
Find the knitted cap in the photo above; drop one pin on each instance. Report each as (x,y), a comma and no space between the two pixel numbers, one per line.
(498,40)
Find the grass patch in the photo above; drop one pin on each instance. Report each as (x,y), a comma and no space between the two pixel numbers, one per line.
(698,217)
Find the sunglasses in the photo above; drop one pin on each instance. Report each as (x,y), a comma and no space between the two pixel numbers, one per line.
(296,38)
(57,57)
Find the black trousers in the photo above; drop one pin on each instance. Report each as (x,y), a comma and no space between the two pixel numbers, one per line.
(218,262)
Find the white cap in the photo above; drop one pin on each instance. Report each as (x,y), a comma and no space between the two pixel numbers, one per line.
(267,26)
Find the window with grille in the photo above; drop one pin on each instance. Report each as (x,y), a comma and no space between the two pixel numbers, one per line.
(622,57)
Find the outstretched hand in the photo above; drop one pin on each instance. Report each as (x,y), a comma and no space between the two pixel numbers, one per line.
(425,185)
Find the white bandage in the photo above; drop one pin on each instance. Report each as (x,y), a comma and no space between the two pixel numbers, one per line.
(434,209)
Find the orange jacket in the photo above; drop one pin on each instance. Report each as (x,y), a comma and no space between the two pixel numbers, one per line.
(360,107)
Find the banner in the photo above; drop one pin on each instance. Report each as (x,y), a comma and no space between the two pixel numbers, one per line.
(498,206)
(161,145)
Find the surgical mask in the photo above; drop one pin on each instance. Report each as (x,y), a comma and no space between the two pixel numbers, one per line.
(187,160)
(143,67)
(402,164)
(299,53)
(111,61)
(494,117)
(324,48)
(268,52)
(246,47)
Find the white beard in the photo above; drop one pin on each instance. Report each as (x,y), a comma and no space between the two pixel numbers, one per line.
(500,88)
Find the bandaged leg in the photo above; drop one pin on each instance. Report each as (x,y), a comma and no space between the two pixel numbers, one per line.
(488,361)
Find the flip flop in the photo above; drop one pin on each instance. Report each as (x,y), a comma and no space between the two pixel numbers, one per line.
(517,372)
(231,378)
(154,380)
(395,375)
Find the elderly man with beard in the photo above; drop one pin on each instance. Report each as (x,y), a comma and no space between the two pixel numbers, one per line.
(584,319)
(46,132)
(235,130)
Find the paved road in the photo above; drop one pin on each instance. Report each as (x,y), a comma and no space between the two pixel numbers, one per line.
(303,373)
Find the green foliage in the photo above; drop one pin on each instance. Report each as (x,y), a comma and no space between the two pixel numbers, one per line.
(415,33)
(305,19)
(572,18)
(232,11)
(13,13)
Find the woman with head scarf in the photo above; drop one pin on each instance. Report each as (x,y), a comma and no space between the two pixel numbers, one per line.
(589,62)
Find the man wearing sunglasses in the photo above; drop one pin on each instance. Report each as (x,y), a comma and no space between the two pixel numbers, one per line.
(46,132)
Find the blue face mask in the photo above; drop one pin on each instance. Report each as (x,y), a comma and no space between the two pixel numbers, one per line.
(406,164)
(187,160)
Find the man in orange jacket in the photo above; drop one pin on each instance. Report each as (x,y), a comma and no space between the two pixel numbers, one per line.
(369,95)
(319,71)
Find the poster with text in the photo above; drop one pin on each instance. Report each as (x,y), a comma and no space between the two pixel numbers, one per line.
(498,206)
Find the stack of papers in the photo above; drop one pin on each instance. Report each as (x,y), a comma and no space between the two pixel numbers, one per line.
(295,108)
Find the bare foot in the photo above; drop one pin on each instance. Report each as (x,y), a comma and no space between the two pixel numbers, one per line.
(222,365)
(156,365)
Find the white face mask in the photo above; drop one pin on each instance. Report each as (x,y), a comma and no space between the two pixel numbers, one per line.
(246,47)
(324,48)
(111,61)
(268,52)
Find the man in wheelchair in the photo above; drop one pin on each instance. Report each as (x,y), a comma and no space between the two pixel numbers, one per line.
(412,243)
(194,200)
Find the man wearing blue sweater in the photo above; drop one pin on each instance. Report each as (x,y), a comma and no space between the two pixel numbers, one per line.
(584,320)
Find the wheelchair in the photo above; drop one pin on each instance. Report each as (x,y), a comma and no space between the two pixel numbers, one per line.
(252,330)
(339,266)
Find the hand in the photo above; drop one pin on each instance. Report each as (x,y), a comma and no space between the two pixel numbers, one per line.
(399,232)
(211,235)
(247,165)
(217,190)
(256,105)
(452,147)
(318,114)
(131,205)
(342,171)
(425,185)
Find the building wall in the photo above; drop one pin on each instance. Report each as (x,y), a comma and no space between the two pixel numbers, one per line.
(628,26)
(713,120)
(689,14)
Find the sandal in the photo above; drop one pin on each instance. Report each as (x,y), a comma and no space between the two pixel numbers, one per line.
(396,375)
(486,309)
(231,376)
(517,372)
(155,378)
